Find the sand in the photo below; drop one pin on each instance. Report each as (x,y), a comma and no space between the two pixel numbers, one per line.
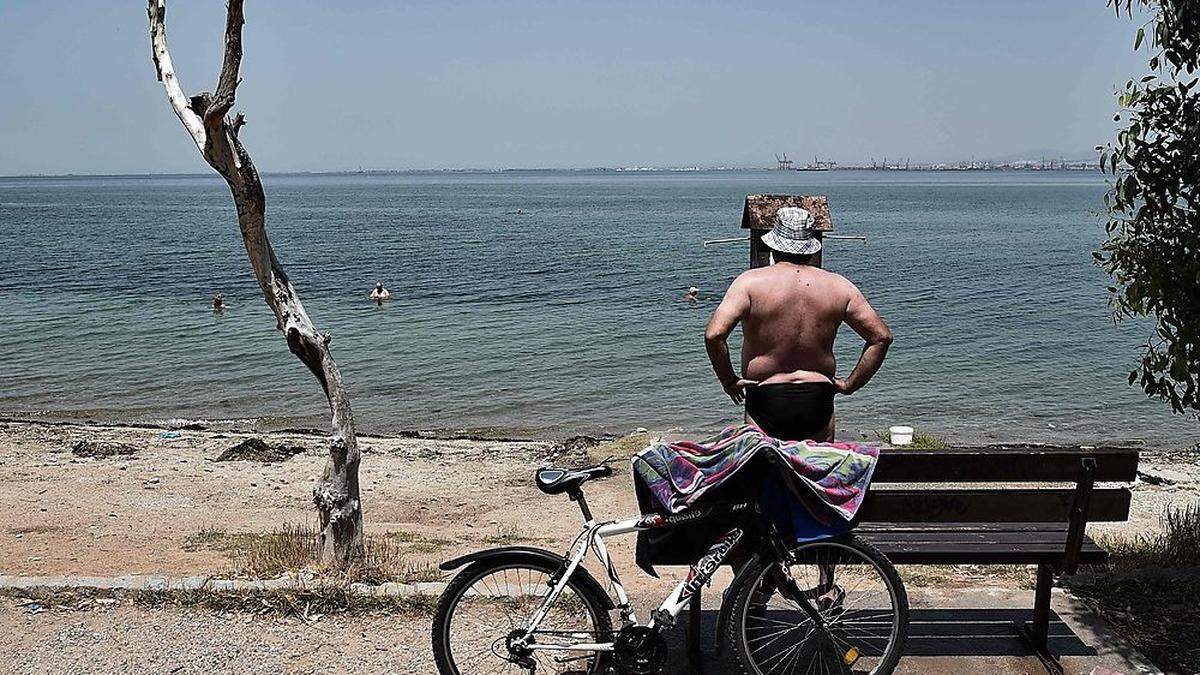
(140,513)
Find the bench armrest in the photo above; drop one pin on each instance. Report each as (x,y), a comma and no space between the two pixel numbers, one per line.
(1079,514)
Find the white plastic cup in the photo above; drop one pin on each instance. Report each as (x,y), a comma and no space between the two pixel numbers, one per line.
(901,435)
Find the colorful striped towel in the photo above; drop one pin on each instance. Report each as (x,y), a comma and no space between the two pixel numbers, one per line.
(679,474)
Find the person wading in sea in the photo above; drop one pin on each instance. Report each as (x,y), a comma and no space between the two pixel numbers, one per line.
(380,294)
(790,312)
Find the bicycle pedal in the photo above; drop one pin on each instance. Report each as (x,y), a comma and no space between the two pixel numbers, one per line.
(663,618)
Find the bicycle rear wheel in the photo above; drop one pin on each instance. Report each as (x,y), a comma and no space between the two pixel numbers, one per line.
(856,619)
(492,600)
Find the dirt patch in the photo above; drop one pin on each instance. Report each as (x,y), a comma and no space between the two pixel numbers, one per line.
(34,529)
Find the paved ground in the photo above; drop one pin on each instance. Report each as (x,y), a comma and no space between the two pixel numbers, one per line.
(964,631)
(971,631)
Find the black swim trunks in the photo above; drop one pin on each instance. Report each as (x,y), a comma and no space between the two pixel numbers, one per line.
(791,411)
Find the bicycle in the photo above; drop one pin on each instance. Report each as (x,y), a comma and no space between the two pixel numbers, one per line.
(835,605)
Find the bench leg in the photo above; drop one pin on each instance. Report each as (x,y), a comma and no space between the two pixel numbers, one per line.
(693,635)
(1037,632)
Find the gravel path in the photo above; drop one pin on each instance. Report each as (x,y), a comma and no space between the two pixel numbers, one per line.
(129,639)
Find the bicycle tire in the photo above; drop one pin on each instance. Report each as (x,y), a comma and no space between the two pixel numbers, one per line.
(745,585)
(449,600)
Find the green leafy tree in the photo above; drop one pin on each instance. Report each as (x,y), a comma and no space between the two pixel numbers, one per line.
(1153,249)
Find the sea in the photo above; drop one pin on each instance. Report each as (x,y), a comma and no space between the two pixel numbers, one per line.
(550,303)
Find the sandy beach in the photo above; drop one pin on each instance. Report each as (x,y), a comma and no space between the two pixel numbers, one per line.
(145,512)
(138,513)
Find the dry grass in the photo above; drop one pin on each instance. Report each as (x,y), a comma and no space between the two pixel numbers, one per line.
(1148,590)
(924,441)
(1178,545)
(309,604)
(505,535)
(966,576)
(920,441)
(620,448)
(294,548)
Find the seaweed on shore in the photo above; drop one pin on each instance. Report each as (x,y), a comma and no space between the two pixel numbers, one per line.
(81,447)
(258,450)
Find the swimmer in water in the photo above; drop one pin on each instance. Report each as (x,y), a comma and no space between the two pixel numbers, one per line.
(380,294)
(692,294)
(218,303)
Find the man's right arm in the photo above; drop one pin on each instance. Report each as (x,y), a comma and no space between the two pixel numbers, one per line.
(733,309)
(865,321)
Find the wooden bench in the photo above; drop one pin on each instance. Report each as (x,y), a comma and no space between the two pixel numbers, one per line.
(1034,523)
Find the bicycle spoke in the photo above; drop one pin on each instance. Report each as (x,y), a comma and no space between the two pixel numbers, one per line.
(499,605)
(850,593)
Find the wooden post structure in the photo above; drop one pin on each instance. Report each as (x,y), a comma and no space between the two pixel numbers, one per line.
(758,216)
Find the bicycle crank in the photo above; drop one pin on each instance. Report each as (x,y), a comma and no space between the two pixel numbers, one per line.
(640,650)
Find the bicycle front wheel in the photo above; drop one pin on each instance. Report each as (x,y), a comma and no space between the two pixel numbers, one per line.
(834,606)
(491,602)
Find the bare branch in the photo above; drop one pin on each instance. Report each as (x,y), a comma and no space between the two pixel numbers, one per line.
(166,72)
(226,94)
(239,121)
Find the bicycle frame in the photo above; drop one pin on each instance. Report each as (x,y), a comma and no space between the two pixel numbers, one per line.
(592,539)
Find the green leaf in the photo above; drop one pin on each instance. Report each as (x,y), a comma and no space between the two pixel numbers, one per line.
(1152,250)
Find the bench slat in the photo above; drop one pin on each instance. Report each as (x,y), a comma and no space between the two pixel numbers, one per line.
(1020,505)
(999,464)
(974,545)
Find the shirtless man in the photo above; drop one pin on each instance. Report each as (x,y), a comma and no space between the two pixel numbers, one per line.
(380,294)
(790,313)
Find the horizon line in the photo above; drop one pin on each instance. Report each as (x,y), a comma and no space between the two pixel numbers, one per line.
(923,166)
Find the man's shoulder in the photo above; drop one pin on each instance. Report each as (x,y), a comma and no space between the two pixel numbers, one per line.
(769,274)
(755,273)
(840,278)
(833,278)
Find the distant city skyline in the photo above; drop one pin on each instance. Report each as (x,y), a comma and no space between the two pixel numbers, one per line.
(377,86)
(1050,161)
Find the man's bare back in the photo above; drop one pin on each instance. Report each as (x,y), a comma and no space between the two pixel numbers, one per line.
(790,315)
(792,319)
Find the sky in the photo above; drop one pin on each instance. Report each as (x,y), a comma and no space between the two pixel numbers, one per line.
(375,84)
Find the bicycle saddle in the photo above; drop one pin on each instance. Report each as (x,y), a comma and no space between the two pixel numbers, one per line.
(557,481)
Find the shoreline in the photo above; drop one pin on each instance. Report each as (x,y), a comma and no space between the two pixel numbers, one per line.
(552,434)
(256,426)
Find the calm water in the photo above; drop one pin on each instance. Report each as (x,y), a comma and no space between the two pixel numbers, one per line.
(566,318)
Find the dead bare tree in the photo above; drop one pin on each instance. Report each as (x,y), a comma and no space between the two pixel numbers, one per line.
(206,118)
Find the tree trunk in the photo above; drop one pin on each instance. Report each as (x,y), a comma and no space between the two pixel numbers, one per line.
(206,118)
